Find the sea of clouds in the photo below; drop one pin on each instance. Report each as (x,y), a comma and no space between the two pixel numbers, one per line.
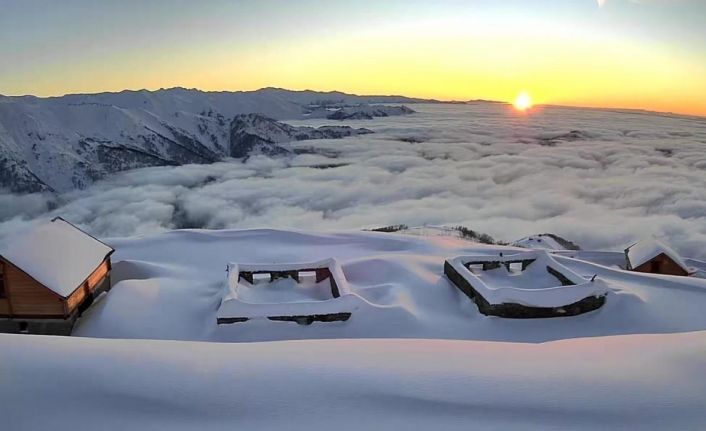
(600,178)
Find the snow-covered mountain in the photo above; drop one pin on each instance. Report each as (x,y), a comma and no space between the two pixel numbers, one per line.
(61,143)
(359,112)
(546,241)
(257,133)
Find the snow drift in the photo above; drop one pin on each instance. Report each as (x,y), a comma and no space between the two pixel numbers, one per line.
(566,373)
(170,286)
(646,382)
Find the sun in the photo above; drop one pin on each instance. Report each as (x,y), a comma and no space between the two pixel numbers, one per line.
(523,101)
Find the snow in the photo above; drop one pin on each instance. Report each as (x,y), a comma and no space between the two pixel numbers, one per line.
(285,297)
(283,290)
(56,254)
(533,287)
(170,286)
(645,382)
(645,250)
(539,242)
(64,143)
(149,354)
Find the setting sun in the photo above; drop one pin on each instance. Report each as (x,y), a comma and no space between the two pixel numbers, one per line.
(523,101)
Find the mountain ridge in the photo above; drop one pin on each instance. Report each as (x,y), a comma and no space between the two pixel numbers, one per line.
(68,142)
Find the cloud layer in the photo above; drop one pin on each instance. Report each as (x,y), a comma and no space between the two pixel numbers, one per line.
(600,178)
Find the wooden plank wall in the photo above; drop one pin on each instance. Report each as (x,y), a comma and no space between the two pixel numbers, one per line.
(28,297)
(4,307)
(89,286)
(4,302)
(75,299)
(98,275)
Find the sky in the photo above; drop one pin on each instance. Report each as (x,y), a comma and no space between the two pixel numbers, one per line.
(646,54)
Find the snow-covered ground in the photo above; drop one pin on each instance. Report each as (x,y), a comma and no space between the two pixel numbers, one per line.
(635,363)
(640,382)
(544,242)
(169,286)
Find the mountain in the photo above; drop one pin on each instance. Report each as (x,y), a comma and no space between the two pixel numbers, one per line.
(546,241)
(257,133)
(62,143)
(359,112)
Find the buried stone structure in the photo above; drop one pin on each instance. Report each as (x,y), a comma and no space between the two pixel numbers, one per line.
(524,285)
(295,292)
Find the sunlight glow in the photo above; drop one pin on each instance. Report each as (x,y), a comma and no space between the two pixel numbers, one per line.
(523,101)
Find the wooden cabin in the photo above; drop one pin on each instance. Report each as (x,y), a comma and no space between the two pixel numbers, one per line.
(653,256)
(48,276)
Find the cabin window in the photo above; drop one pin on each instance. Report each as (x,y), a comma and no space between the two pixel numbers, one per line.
(2,283)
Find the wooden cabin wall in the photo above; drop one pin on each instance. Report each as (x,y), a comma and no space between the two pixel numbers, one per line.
(95,279)
(666,266)
(28,297)
(4,307)
(4,302)
(75,299)
(89,286)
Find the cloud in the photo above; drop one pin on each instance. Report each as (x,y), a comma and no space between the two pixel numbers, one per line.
(625,176)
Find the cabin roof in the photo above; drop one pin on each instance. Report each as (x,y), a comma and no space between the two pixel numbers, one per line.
(646,250)
(57,254)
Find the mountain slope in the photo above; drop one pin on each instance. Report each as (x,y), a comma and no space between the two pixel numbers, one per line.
(61,143)
(256,132)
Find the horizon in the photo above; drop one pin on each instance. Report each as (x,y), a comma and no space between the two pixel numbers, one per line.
(430,100)
(615,54)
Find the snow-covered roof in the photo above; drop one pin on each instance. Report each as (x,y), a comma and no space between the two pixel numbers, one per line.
(56,254)
(645,250)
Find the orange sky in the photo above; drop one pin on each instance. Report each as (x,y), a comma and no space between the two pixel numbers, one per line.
(574,54)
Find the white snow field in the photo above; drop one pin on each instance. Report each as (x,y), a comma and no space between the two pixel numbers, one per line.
(170,286)
(635,363)
(633,382)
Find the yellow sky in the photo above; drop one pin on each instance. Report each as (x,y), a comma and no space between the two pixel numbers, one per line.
(446,56)
(455,64)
